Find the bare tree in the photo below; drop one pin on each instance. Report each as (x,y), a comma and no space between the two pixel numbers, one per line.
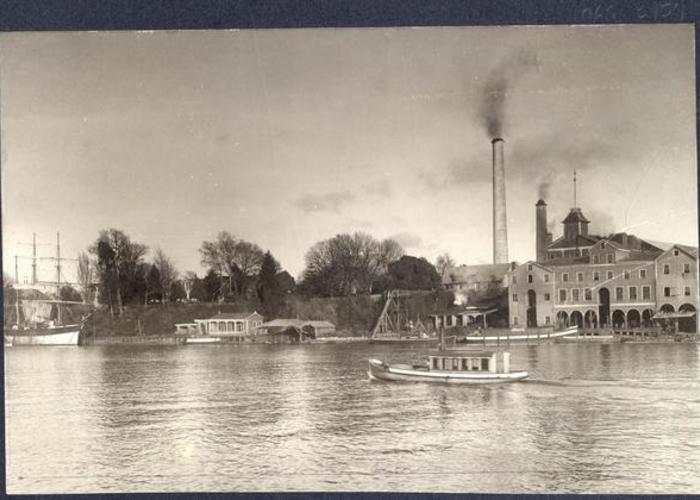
(188,283)
(238,259)
(168,273)
(348,263)
(86,276)
(442,263)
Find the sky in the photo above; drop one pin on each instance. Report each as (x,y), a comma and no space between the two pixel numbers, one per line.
(288,137)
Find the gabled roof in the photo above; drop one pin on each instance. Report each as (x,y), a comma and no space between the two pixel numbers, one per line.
(229,315)
(579,242)
(534,263)
(575,215)
(692,252)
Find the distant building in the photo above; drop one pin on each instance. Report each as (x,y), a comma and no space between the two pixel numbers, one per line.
(224,325)
(619,281)
(289,330)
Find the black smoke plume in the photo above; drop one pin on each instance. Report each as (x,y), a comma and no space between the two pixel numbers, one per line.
(495,91)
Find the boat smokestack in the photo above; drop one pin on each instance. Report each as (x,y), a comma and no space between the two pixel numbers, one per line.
(500,225)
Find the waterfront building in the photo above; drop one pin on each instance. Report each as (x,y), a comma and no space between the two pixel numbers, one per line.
(619,281)
(235,325)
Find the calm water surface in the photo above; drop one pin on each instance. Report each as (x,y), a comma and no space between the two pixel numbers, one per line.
(593,418)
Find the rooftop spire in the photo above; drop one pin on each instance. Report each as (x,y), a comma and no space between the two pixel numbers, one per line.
(575,189)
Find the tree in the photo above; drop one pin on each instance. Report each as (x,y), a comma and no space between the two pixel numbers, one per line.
(237,260)
(413,273)
(69,293)
(86,276)
(347,264)
(211,285)
(188,283)
(285,282)
(168,273)
(153,283)
(269,291)
(442,263)
(119,267)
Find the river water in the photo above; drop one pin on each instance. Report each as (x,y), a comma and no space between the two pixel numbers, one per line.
(594,418)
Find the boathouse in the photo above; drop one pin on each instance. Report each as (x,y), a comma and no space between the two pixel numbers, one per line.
(225,325)
(287,330)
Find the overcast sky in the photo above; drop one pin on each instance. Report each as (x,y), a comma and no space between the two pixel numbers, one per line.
(287,137)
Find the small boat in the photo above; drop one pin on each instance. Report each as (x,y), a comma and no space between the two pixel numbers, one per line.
(451,366)
(518,335)
(202,340)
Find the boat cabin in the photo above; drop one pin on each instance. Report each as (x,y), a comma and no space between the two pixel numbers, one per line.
(464,360)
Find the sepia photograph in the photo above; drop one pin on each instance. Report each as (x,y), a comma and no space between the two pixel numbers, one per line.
(395,259)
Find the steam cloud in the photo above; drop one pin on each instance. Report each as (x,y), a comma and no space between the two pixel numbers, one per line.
(543,189)
(495,90)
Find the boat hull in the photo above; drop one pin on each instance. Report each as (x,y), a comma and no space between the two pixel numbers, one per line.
(400,373)
(65,335)
(504,339)
(202,340)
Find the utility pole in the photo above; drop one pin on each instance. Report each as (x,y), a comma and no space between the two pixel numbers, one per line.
(16,271)
(575,206)
(58,261)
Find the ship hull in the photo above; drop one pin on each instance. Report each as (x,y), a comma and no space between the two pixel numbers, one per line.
(404,373)
(65,335)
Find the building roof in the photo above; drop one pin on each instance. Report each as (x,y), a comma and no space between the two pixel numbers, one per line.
(296,323)
(230,315)
(575,215)
(579,242)
(477,273)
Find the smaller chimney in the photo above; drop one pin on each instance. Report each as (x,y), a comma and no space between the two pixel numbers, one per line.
(542,237)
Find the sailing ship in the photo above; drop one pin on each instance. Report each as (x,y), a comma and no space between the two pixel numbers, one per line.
(37,319)
(44,322)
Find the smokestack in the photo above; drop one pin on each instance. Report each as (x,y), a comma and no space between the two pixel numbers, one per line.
(500,227)
(541,231)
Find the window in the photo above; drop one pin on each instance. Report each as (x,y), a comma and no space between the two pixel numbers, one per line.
(565,277)
(667,291)
(675,252)
(436,363)
(562,295)
(546,278)
(587,295)
(547,320)
(609,275)
(596,276)
(667,269)
(619,293)
(529,278)
(575,294)
(547,297)
(633,292)
(642,274)
(515,297)
(448,319)
(485,364)
(646,292)
(579,276)
(686,291)
(529,267)
(610,258)
(602,245)
(455,364)
(596,259)
(627,275)
(686,267)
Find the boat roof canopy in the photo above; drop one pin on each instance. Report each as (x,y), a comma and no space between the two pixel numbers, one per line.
(463,353)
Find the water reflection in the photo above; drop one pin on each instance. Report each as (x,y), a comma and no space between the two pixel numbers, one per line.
(594,418)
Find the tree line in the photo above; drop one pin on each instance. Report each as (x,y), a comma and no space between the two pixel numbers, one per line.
(115,271)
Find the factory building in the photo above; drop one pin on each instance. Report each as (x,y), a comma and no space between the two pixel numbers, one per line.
(618,281)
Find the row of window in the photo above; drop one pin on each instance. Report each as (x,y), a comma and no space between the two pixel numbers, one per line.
(575,294)
(609,275)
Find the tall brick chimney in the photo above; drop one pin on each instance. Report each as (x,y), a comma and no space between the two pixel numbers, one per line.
(542,237)
(500,226)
